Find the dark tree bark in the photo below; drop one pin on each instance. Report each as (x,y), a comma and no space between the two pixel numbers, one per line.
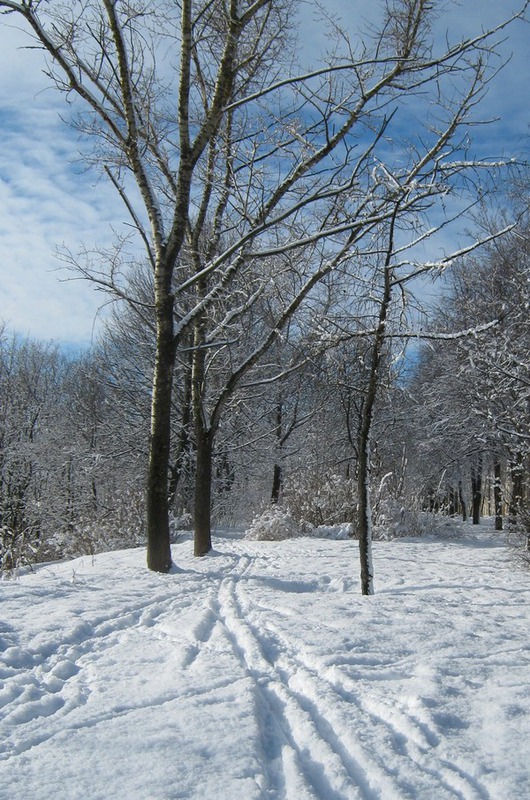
(462,502)
(364,512)
(158,537)
(476,491)
(203,492)
(277,481)
(277,476)
(497,494)
(204,439)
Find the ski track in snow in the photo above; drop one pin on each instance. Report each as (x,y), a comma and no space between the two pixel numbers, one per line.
(260,672)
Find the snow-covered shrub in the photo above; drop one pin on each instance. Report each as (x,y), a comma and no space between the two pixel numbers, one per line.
(342,531)
(396,521)
(16,550)
(518,528)
(273,524)
(329,500)
(115,528)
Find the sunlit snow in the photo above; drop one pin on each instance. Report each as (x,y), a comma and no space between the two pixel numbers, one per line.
(261,672)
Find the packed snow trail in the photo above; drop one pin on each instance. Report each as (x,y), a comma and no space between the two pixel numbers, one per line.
(261,672)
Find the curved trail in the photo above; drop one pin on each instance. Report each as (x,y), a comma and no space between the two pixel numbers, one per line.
(259,672)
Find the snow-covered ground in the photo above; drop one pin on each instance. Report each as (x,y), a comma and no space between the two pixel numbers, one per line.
(260,672)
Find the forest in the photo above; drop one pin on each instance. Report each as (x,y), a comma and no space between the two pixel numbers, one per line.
(282,351)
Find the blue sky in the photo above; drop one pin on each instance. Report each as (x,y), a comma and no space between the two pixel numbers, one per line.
(48,200)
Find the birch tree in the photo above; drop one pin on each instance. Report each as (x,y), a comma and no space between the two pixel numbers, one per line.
(226,153)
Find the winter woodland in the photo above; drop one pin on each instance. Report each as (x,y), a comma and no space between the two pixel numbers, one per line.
(316,343)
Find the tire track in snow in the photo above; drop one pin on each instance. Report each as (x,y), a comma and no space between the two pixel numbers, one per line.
(408,737)
(305,758)
(318,687)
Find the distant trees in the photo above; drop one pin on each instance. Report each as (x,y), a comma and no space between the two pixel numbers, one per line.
(28,408)
(475,389)
(72,455)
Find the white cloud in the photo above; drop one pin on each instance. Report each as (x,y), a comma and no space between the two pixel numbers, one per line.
(45,204)
(46,201)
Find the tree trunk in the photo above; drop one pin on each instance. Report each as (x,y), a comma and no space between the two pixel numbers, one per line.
(158,538)
(364,511)
(476,491)
(462,502)
(277,477)
(276,484)
(497,494)
(203,492)
(204,438)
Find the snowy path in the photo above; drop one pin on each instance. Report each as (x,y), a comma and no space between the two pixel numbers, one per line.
(260,672)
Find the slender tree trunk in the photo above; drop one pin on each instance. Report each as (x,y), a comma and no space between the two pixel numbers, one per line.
(497,494)
(277,477)
(364,512)
(462,502)
(158,538)
(203,492)
(476,491)
(276,484)
(204,438)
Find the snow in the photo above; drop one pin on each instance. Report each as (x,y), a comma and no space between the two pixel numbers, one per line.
(260,671)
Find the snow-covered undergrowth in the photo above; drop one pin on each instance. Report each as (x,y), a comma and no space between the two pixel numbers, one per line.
(273,524)
(260,672)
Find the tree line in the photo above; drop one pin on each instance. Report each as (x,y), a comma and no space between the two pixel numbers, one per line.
(449,432)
